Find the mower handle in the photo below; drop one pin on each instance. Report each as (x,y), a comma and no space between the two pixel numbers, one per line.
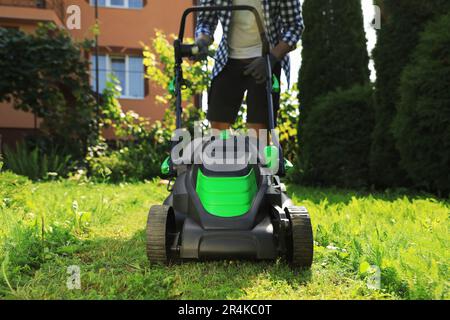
(262,32)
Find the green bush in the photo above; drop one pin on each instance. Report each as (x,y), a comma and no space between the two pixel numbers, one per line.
(287,122)
(35,163)
(46,73)
(422,124)
(336,139)
(134,162)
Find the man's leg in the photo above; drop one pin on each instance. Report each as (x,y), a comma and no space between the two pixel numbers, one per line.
(226,95)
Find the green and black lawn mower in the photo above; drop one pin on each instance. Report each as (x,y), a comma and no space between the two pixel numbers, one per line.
(227,209)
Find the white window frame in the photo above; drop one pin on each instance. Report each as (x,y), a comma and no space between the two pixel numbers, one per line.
(126,5)
(125,91)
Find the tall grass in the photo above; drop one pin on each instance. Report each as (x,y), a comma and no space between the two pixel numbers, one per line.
(47,226)
(406,236)
(35,164)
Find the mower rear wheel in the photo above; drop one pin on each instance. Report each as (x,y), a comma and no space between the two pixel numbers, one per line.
(161,232)
(301,242)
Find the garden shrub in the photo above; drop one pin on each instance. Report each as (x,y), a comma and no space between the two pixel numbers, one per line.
(37,163)
(334,56)
(337,139)
(287,123)
(402,22)
(134,162)
(422,124)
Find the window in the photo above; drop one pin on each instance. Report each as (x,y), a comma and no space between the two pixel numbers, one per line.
(118,69)
(129,70)
(132,4)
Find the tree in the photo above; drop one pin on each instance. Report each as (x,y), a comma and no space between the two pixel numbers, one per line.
(402,21)
(422,123)
(334,51)
(46,73)
(334,56)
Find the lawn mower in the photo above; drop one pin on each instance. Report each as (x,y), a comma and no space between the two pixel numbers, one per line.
(228,211)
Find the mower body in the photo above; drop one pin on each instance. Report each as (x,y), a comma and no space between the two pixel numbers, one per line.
(225,211)
(232,210)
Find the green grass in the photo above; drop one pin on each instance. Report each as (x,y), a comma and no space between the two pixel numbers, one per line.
(46,227)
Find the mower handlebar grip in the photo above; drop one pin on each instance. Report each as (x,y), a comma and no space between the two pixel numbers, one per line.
(191,51)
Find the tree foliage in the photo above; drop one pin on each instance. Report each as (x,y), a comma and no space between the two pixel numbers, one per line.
(287,120)
(334,57)
(159,60)
(422,123)
(402,21)
(334,51)
(46,73)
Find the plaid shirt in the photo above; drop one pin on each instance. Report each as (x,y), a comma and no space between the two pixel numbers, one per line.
(282,18)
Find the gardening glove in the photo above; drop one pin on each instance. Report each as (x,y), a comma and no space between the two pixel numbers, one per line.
(202,43)
(257,69)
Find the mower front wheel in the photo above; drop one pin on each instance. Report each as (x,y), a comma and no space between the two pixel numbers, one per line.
(161,233)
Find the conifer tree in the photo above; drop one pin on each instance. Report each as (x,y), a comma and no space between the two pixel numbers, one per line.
(334,56)
(402,22)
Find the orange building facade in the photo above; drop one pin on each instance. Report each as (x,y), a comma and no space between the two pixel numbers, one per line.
(124,24)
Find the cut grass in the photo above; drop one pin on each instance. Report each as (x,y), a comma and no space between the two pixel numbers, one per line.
(47,227)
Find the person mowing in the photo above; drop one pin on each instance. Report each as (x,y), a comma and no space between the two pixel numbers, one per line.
(239,66)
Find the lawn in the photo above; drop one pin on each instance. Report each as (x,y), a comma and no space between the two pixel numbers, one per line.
(46,227)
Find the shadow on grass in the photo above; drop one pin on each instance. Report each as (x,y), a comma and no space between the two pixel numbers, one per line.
(119,269)
(345,196)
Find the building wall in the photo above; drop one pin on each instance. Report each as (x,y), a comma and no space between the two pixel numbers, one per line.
(121,32)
